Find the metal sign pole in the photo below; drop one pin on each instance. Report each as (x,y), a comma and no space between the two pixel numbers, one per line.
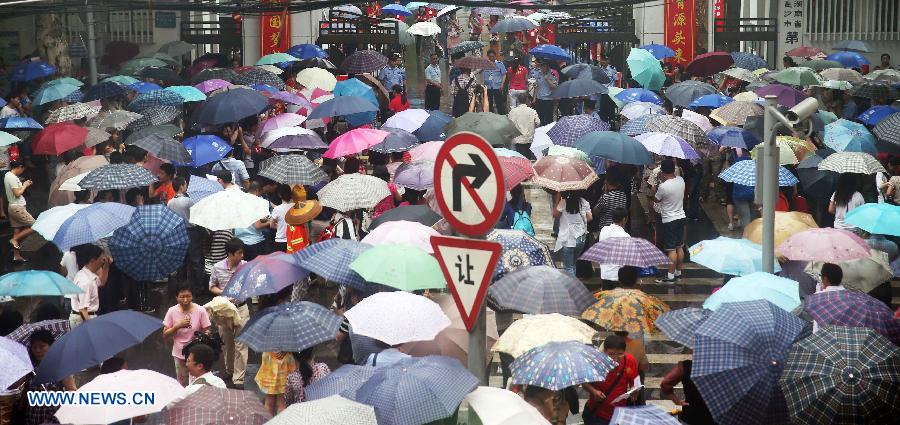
(477,343)
(769,186)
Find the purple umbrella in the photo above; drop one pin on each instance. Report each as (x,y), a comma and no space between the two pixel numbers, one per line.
(291,98)
(853,308)
(787,96)
(635,252)
(266,274)
(667,145)
(417,175)
(570,128)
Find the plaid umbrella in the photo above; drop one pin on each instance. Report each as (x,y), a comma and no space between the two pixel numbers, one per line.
(292,169)
(165,130)
(541,290)
(680,127)
(156,115)
(561,173)
(332,410)
(683,93)
(176,48)
(744,172)
(57,328)
(88,225)
(570,128)
(629,310)
(851,162)
(635,252)
(331,259)
(72,112)
(398,141)
(343,381)
(557,365)
(736,113)
(201,187)
(362,61)
(165,148)
(642,415)
(889,130)
(497,129)
(637,125)
(875,90)
(353,191)
(212,405)
(853,308)
(748,60)
(842,375)
(152,245)
(519,250)
(475,62)
(257,76)
(290,327)
(417,175)
(117,176)
(889,75)
(117,119)
(155,98)
(515,170)
(417,390)
(133,66)
(680,325)
(466,46)
(739,354)
(214,74)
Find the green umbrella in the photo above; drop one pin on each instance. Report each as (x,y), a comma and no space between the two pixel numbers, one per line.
(821,64)
(165,58)
(798,76)
(569,152)
(498,130)
(399,266)
(133,66)
(65,80)
(645,69)
(276,58)
(122,79)
(176,48)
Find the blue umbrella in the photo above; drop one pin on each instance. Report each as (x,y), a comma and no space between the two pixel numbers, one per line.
(570,128)
(91,224)
(739,353)
(396,9)
(152,245)
(398,141)
(876,114)
(290,327)
(307,51)
(848,136)
(658,50)
(232,106)
(206,148)
(124,80)
(541,290)
(341,106)
(680,325)
(19,123)
(435,385)
(848,59)
(344,382)
(331,259)
(614,146)
(519,250)
(732,137)
(187,93)
(16,361)
(103,90)
(144,87)
(637,126)
(853,46)
(31,70)
(875,218)
(557,365)
(153,98)
(639,95)
(781,291)
(264,88)
(355,87)
(53,93)
(93,342)
(736,257)
(201,187)
(74,97)
(642,415)
(32,283)
(433,127)
(549,51)
(748,61)
(64,80)
(265,274)
(744,172)
(711,101)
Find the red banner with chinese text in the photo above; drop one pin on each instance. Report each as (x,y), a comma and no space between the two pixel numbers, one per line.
(719,13)
(681,29)
(274,31)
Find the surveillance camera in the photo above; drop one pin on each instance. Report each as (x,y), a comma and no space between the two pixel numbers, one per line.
(802,110)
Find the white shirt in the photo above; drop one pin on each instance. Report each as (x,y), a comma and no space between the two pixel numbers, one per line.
(210,379)
(840,211)
(670,199)
(69,263)
(10,182)
(181,205)
(279,213)
(90,284)
(386,357)
(611,231)
(8,111)
(571,226)
(526,120)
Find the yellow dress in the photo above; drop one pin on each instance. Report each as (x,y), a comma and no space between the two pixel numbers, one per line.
(273,372)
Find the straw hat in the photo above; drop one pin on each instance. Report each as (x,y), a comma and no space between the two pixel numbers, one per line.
(303,211)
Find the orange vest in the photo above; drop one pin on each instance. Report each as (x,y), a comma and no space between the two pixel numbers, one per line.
(297,238)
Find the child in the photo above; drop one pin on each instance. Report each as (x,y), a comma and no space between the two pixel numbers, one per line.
(399,102)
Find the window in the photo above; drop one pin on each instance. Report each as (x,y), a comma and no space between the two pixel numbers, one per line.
(857,19)
(135,26)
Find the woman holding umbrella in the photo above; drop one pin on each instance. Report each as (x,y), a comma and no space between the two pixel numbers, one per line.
(573,212)
(844,200)
(38,345)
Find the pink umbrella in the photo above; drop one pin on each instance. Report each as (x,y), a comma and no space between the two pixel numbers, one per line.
(355,141)
(825,244)
(426,151)
(200,66)
(153,163)
(515,170)
(288,97)
(212,85)
(453,341)
(408,233)
(286,119)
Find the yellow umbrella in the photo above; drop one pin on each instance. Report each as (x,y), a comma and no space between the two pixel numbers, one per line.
(862,274)
(786,155)
(536,330)
(786,225)
(801,147)
(453,341)
(221,310)
(629,310)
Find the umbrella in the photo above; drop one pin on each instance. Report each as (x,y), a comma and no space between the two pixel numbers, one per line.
(397,317)
(166,130)
(535,330)
(635,252)
(402,232)
(804,51)
(344,381)
(228,209)
(362,61)
(427,29)
(94,341)
(875,218)
(165,148)
(551,52)
(287,139)
(164,389)
(876,114)
(117,176)
(53,93)
(316,77)
(497,406)
(187,93)
(683,93)
(176,48)
(353,191)
(889,130)
(677,126)
(851,162)
(409,120)
(876,90)
(709,64)
(36,283)
(49,221)
(739,354)
(586,71)
(436,385)
(637,95)
(123,80)
(820,65)
(816,183)
(63,80)
(649,414)
(578,87)
(292,169)
(201,187)
(72,112)
(257,76)
(276,58)
(736,113)
(19,123)
(572,127)
(628,310)
(154,116)
(144,87)
(415,213)
(453,341)
(786,225)
(637,125)
(31,69)
(211,85)
(331,259)
(91,224)
(133,66)
(16,361)
(748,60)
(744,173)
(561,173)
(852,308)
(889,75)
(863,274)
(843,135)
(635,110)
(342,106)
(152,245)
(474,62)
(614,146)
(848,59)
(798,76)
(283,120)
(667,145)
(58,138)
(265,274)
(203,149)
(433,127)
(417,175)
(557,365)
(736,257)
(787,96)
(741,74)
(853,46)
(515,170)
(214,74)
(658,50)
(7,139)
(399,266)
(680,325)
(519,250)
(276,328)
(701,120)
(159,73)
(568,152)
(842,375)
(465,46)
(56,327)
(780,291)
(231,106)
(540,290)
(307,51)
(827,244)
(355,141)
(212,405)
(334,410)
(77,167)
(841,74)
(397,141)
(513,24)
(710,101)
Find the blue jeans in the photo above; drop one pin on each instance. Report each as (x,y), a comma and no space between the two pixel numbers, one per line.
(570,254)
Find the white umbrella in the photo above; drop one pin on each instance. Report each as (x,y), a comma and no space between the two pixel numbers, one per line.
(71,184)
(448,9)
(424,28)
(541,140)
(353,192)
(397,317)
(497,406)
(229,209)
(334,410)
(137,385)
(409,120)
(316,77)
(347,11)
(637,109)
(698,119)
(454,340)
(271,68)
(49,222)
(402,232)
(536,330)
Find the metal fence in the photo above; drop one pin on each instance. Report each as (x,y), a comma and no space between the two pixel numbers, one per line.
(135,26)
(871,20)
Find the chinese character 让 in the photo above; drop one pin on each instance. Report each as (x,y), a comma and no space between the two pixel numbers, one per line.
(464,271)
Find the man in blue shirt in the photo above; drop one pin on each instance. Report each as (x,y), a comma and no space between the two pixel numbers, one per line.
(546,81)
(493,81)
(393,74)
(433,84)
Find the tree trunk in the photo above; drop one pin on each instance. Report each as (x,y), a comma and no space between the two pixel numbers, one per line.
(51,42)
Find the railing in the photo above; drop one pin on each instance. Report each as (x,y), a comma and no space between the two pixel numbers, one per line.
(135,26)
(872,20)
(362,30)
(596,30)
(746,29)
(209,31)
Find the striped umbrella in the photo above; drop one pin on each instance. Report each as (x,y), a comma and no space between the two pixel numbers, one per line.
(152,245)
(541,290)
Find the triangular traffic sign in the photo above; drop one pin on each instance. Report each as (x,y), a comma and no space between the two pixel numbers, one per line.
(468,265)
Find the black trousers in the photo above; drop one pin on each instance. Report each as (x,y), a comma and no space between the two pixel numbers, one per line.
(544,109)
(432,97)
(497,101)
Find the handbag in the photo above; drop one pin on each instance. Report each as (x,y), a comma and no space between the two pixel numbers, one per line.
(593,412)
(212,339)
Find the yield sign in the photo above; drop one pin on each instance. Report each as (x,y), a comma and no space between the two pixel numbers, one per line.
(468,265)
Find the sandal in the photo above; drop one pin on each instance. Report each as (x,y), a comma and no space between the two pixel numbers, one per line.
(14,243)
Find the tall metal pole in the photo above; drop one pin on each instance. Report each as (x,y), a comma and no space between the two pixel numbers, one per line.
(769,185)
(91,48)
(477,342)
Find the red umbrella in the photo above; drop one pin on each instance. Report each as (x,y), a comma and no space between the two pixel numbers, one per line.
(515,170)
(55,139)
(709,63)
(804,52)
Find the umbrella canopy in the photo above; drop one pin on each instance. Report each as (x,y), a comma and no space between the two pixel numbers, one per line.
(643,414)
(853,46)
(572,127)
(292,169)
(228,209)
(875,218)
(362,61)
(817,183)
(283,120)
(77,167)
(154,116)
(519,250)
(117,176)
(680,127)
(637,95)
(276,58)
(736,113)
(551,52)
(94,341)
(164,388)
(90,224)
(497,406)
(399,266)
(433,127)
(265,274)
(73,112)
(635,110)
(497,129)
(635,126)
(805,51)
(334,410)
(426,29)
(231,106)
(541,290)
(820,64)
(513,24)
(353,191)
(343,106)
(798,76)
(786,224)
(629,310)
(287,139)
(842,375)
(736,257)
(209,405)
(680,325)
(257,76)
(614,146)
(645,69)
(402,232)
(557,365)
(16,361)
(48,222)
(165,148)
(19,123)
(685,92)
(56,327)
(748,60)
(331,259)
(31,69)
(344,381)
(635,252)
(889,75)
(211,85)
(214,74)
(744,172)
(659,51)
(710,101)
(414,213)
(841,74)
(355,141)
(827,244)
(187,93)
(54,92)
(466,46)
(848,136)
(36,283)
(201,187)
(852,308)
(397,317)
(709,64)
(739,353)
(144,87)
(535,330)
(58,138)
(204,149)
(453,341)
(848,59)
(578,87)
(757,286)
(876,114)
(398,140)
(409,120)
(562,173)
(276,328)
(889,130)
(160,74)
(307,51)
(787,96)
(152,245)
(515,170)
(586,71)
(7,139)
(316,77)
(176,48)
(667,145)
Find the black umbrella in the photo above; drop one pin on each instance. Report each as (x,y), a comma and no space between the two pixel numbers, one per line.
(398,141)
(160,73)
(362,61)
(259,76)
(583,70)
(754,125)
(417,213)
(156,115)
(232,106)
(314,63)
(213,74)
(683,93)
(579,87)
(103,90)
(816,183)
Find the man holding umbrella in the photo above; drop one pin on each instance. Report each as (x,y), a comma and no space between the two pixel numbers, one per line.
(235,352)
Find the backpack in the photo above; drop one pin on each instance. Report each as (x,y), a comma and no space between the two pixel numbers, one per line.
(522,221)
(461,98)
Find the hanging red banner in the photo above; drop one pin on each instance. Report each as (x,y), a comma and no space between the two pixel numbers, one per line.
(719,13)
(681,29)
(274,31)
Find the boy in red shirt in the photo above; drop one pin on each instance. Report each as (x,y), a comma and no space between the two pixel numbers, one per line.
(599,408)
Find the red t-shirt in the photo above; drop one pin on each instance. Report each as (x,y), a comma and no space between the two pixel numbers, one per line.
(397,104)
(518,81)
(165,192)
(531,39)
(605,409)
